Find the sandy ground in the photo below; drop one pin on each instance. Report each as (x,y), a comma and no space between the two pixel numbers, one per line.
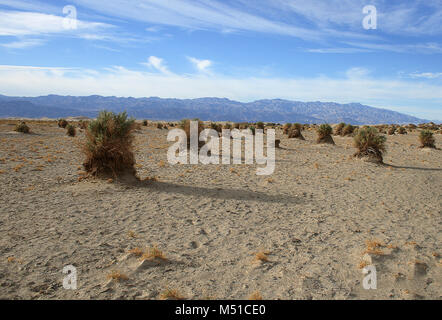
(313,217)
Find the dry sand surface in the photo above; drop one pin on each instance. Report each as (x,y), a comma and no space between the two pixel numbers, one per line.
(313,218)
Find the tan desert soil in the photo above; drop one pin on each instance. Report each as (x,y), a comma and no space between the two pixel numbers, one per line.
(313,216)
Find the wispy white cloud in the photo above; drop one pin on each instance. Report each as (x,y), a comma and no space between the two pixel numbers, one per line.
(209,15)
(200,65)
(338,50)
(19,23)
(357,73)
(157,64)
(23,44)
(426,75)
(422,99)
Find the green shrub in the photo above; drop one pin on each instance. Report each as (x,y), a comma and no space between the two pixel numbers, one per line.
(22,127)
(370,144)
(160,125)
(109,144)
(260,125)
(70,130)
(426,139)
(324,132)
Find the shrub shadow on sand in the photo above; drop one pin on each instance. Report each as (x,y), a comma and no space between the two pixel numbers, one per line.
(218,193)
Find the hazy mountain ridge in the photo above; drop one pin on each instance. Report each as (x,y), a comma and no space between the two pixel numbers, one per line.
(215,109)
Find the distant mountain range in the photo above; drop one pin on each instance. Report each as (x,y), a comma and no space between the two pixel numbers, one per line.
(214,109)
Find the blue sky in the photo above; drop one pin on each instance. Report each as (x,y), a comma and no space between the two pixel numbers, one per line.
(243,50)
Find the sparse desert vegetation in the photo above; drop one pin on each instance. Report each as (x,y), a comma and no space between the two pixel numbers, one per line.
(108,145)
(324,132)
(322,216)
(426,139)
(70,130)
(22,127)
(370,144)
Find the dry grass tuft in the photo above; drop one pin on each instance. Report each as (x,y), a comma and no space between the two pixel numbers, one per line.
(171,294)
(131,234)
(262,256)
(153,253)
(136,251)
(255,296)
(373,247)
(117,276)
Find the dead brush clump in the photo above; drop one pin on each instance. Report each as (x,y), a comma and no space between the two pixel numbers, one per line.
(295,133)
(109,145)
(62,123)
(370,144)
(426,139)
(338,129)
(83,124)
(401,130)
(324,132)
(70,130)
(215,126)
(286,128)
(22,127)
(347,130)
(391,131)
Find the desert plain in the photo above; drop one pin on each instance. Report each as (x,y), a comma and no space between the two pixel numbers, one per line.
(220,231)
